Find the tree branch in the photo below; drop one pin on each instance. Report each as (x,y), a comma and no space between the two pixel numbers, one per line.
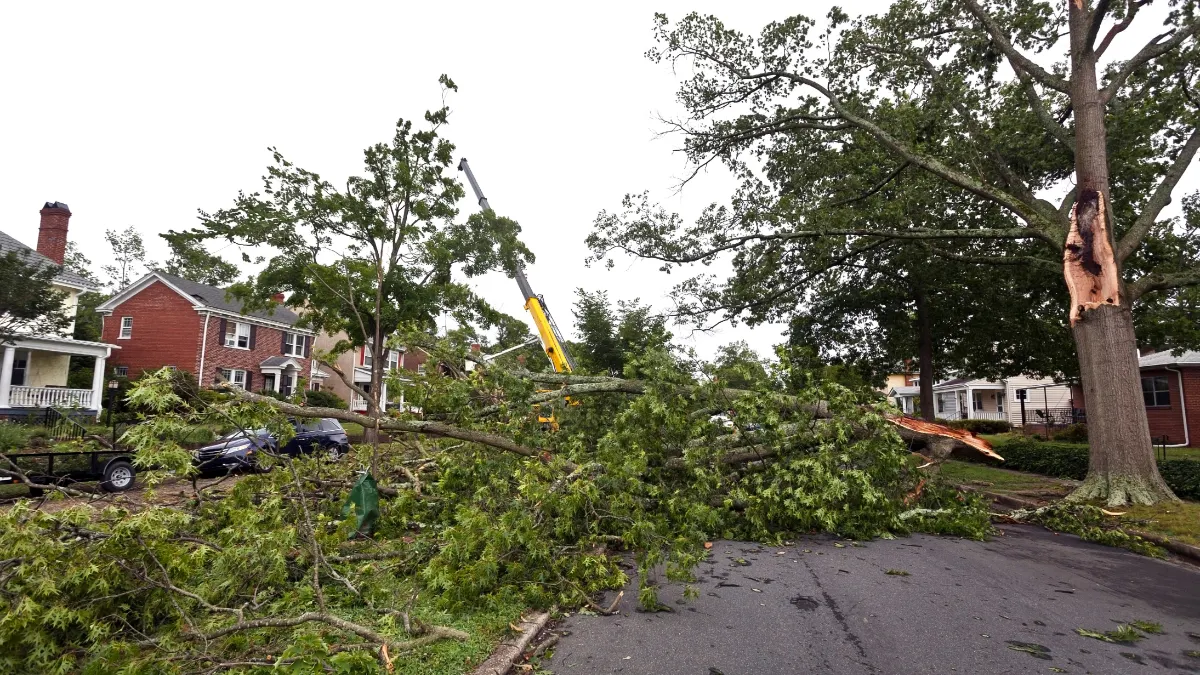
(1153,49)
(1159,200)
(1015,57)
(1132,8)
(1051,125)
(1162,282)
(410,426)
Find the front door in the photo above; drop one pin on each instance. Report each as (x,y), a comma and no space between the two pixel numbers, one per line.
(20,368)
(269,381)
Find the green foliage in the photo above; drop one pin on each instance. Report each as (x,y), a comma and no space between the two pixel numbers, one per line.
(982,426)
(736,365)
(1088,523)
(191,260)
(486,534)
(324,399)
(127,259)
(610,337)
(28,301)
(13,436)
(1183,475)
(1074,433)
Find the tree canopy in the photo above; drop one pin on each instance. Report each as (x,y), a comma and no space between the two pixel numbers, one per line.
(29,303)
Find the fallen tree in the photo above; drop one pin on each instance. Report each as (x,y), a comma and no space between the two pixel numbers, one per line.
(482,515)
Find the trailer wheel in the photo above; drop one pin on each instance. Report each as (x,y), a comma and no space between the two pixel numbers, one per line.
(118,476)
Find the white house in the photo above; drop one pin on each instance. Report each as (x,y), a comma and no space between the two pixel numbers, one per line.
(34,368)
(965,398)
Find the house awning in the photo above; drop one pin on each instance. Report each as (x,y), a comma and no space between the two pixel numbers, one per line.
(279,363)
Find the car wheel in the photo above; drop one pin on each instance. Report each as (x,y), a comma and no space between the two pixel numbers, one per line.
(118,476)
(335,452)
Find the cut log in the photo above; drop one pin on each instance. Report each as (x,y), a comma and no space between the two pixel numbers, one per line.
(1089,265)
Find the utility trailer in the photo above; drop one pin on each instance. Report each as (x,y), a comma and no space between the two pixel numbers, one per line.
(113,468)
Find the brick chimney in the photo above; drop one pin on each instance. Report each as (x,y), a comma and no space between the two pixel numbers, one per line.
(52,235)
(278,297)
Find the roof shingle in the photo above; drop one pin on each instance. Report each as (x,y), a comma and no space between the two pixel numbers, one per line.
(65,276)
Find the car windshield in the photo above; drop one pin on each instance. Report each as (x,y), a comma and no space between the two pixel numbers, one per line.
(238,433)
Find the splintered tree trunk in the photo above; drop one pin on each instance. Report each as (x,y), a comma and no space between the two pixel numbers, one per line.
(1121,466)
(925,355)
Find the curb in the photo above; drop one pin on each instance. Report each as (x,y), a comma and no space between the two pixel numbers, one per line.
(1192,553)
(507,653)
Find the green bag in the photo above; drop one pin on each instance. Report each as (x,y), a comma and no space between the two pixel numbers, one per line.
(364,500)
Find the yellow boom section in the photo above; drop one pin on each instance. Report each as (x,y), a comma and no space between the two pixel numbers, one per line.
(550,341)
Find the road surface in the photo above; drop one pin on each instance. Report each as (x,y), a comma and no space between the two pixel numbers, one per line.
(1009,605)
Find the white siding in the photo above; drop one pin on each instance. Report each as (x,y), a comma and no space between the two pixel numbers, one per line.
(1058,396)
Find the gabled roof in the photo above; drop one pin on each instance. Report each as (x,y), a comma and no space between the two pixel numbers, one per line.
(202,296)
(905,391)
(1168,359)
(64,276)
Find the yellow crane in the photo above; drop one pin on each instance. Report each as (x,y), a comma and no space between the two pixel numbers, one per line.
(552,340)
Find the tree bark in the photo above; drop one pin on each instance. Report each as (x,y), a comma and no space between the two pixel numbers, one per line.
(925,354)
(1121,465)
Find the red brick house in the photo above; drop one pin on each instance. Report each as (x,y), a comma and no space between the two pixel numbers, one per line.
(166,321)
(1171,394)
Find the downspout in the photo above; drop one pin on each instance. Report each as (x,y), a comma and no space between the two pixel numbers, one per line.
(203,348)
(1183,408)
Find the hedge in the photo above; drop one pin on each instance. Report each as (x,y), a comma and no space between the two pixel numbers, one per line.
(982,426)
(1066,460)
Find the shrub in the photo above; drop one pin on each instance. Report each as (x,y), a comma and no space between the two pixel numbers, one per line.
(1074,433)
(13,436)
(324,399)
(982,426)
(1061,460)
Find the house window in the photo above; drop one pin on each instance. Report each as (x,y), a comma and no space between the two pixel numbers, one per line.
(121,371)
(237,335)
(171,368)
(293,344)
(393,360)
(368,358)
(235,377)
(941,403)
(999,401)
(20,369)
(287,382)
(126,328)
(314,386)
(1155,392)
(420,368)
(977,400)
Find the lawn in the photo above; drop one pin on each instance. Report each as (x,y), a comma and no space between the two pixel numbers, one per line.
(1180,521)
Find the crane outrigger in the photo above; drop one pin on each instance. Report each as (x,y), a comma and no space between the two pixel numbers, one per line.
(552,340)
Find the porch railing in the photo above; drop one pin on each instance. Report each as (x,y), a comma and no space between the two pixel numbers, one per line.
(971,415)
(49,397)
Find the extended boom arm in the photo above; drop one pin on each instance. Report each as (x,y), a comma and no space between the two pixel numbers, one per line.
(535,304)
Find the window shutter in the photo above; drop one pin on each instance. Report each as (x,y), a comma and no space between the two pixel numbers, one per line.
(224,327)
(248,374)
(253,334)
(308,340)
(283,342)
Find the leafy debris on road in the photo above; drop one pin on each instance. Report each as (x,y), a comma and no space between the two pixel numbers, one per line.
(1148,627)
(1032,648)
(898,573)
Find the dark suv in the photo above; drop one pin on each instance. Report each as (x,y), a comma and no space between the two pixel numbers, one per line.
(239,450)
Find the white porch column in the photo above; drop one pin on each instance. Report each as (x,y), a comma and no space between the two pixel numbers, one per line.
(98,384)
(6,366)
(970,404)
(383,400)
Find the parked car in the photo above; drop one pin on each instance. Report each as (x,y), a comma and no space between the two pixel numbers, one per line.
(240,450)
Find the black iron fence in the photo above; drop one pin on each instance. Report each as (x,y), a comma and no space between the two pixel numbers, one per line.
(1055,417)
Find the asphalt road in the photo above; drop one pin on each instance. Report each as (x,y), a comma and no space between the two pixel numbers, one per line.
(820,608)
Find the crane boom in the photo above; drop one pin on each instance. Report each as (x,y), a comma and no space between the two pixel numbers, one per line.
(552,340)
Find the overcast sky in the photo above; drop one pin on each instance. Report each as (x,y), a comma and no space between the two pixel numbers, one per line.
(140,114)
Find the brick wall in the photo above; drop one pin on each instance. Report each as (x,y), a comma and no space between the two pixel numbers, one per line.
(1168,420)
(166,331)
(268,342)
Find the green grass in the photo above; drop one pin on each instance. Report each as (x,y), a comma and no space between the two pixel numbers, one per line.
(1179,521)
(997,480)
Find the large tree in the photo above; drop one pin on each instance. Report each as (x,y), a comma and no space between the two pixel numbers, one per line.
(382,254)
(611,337)
(1012,104)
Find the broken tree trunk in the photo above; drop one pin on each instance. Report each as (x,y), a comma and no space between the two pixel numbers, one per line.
(1121,466)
